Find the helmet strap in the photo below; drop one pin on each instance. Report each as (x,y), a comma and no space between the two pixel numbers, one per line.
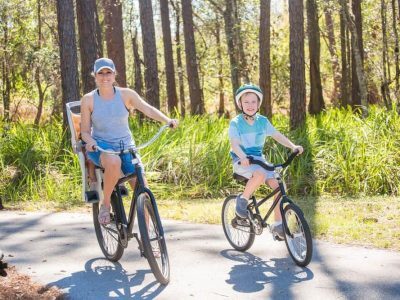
(247,116)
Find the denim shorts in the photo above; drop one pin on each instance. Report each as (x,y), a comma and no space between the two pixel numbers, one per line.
(127,166)
(249,171)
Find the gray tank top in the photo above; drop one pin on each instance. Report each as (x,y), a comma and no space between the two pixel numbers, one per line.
(110,121)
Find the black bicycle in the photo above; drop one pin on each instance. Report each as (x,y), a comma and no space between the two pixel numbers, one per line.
(113,238)
(241,232)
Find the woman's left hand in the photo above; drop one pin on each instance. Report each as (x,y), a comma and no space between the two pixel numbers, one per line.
(298,148)
(173,123)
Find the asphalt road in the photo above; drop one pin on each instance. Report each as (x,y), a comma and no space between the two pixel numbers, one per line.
(61,249)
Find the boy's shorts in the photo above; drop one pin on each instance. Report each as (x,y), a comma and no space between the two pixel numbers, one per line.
(249,171)
(127,166)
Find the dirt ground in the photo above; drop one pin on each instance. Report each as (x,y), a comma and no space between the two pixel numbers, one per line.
(18,286)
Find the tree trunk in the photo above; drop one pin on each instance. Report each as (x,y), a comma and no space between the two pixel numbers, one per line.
(37,67)
(344,82)
(357,62)
(396,47)
(221,106)
(265,56)
(137,64)
(329,23)
(68,54)
(115,37)
(149,53)
(317,103)
(244,68)
(385,60)
(297,72)
(6,83)
(196,94)
(168,56)
(86,12)
(179,57)
(229,33)
(355,91)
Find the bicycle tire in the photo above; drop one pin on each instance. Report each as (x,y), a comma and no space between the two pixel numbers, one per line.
(240,236)
(299,241)
(152,241)
(107,235)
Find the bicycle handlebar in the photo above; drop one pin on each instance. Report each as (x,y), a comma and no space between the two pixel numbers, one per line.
(134,148)
(273,167)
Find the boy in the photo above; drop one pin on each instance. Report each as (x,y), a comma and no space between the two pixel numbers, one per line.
(247,134)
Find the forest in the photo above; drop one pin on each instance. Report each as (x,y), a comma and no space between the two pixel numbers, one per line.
(329,71)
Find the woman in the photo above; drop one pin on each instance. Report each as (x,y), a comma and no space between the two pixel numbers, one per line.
(104,113)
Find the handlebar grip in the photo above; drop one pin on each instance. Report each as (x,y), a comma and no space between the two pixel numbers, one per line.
(290,159)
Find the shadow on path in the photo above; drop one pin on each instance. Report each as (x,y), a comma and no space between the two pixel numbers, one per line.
(102,279)
(252,274)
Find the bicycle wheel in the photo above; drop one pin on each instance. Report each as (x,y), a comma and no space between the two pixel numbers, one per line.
(154,246)
(107,235)
(298,241)
(239,232)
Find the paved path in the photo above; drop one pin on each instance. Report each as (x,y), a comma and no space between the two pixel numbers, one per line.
(61,249)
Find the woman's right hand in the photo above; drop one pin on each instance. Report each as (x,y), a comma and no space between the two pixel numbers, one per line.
(90,147)
(244,162)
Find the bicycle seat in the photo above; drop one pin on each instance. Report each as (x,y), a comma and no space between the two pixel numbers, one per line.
(240,179)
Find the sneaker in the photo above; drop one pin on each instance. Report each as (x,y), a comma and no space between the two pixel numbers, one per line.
(277,231)
(241,207)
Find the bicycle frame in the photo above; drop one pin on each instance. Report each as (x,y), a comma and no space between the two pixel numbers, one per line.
(140,187)
(282,197)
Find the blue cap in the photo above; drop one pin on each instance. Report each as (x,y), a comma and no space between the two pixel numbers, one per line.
(103,63)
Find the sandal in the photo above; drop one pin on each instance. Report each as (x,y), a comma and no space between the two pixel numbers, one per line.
(104,215)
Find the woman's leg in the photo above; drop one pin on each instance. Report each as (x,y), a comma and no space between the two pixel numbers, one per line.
(112,172)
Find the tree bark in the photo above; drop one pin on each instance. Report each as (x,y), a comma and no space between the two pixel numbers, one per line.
(168,57)
(329,23)
(179,57)
(244,68)
(265,56)
(233,59)
(317,103)
(149,53)
(6,82)
(137,64)
(115,37)
(385,59)
(357,62)
(196,94)
(396,47)
(344,82)
(68,54)
(356,89)
(221,106)
(297,71)
(86,12)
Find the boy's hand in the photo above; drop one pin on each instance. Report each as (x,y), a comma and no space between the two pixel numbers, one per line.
(298,148)
(244,162)
(173,123)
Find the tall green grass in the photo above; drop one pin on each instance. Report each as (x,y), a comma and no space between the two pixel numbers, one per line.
(344,155)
